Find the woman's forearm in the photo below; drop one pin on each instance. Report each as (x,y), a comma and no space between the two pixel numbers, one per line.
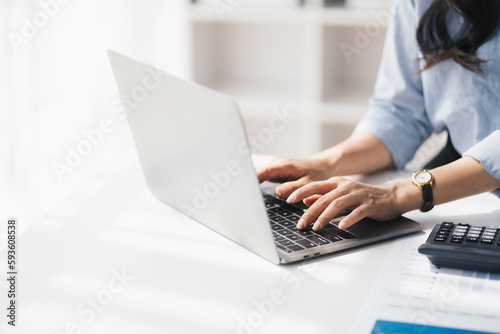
(359,154)
(461,178)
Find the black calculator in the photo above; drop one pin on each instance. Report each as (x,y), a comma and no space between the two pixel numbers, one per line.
(464,246)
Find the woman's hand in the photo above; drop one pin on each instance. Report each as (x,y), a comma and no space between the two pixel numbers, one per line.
(295,173)
(328,198)
(361,153)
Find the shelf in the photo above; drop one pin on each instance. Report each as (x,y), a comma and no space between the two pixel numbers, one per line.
(319,63)
(205,13)
(246,62)
(332,16)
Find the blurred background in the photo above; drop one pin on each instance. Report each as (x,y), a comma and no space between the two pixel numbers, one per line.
(309,64)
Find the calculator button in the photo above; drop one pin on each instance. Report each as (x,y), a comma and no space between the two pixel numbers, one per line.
(447,224)
(472,239)
(487,241)
(458,234)
(439,239)
(473,235)
(457,241)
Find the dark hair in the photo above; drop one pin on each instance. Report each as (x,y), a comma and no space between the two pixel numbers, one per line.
(481,22)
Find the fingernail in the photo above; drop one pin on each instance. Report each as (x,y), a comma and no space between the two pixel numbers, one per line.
(342,225)
(290,199)
(317,225)
(301,223)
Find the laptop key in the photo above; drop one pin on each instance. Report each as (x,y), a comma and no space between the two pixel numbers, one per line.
(278,237)
(295,248)
(306,243)
(329,236)
(276,219)
(346,235)
(276,227)
(332,228)
(285,232)
(286,243)
(294,237)
(318,240)
(278,210)
(287,223)
(304,232)
(283,248)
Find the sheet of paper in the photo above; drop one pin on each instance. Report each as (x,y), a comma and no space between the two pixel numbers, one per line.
(412,296)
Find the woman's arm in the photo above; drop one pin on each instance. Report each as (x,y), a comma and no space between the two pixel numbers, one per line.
(361,153)
(461,178)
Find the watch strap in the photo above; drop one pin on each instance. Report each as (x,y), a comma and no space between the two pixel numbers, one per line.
(428,199)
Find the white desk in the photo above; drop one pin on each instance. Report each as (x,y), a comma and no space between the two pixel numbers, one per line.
(186,278)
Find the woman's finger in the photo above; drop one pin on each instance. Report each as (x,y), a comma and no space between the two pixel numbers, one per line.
(311,199)
(278,169)
(313,188)
(285,189)
(353,217)
(336,206)
(316,209)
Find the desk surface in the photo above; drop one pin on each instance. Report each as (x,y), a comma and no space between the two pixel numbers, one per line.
(113,259)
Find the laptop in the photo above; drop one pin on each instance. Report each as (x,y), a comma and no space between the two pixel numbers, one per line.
(195,157)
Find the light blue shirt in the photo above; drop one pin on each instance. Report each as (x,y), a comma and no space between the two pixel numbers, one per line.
(407,108)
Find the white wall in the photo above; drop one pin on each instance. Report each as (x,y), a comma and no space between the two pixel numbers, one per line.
(56,82)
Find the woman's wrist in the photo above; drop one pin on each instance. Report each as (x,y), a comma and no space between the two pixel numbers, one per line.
(329,160)
(408,197)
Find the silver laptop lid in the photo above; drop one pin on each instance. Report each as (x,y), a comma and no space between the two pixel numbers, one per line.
(194,153)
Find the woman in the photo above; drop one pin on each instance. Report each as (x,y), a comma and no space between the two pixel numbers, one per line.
(440,71)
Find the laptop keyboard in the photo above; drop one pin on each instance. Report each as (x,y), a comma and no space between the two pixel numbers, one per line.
(284,217)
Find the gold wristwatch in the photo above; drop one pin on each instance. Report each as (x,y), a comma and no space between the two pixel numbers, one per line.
(423,179)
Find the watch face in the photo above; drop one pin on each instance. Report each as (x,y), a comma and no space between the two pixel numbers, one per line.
(423,177)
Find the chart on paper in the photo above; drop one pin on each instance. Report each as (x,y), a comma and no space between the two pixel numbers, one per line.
(411,292)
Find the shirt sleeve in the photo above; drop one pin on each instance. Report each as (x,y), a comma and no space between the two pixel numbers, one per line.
(397,114)
(487,153)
